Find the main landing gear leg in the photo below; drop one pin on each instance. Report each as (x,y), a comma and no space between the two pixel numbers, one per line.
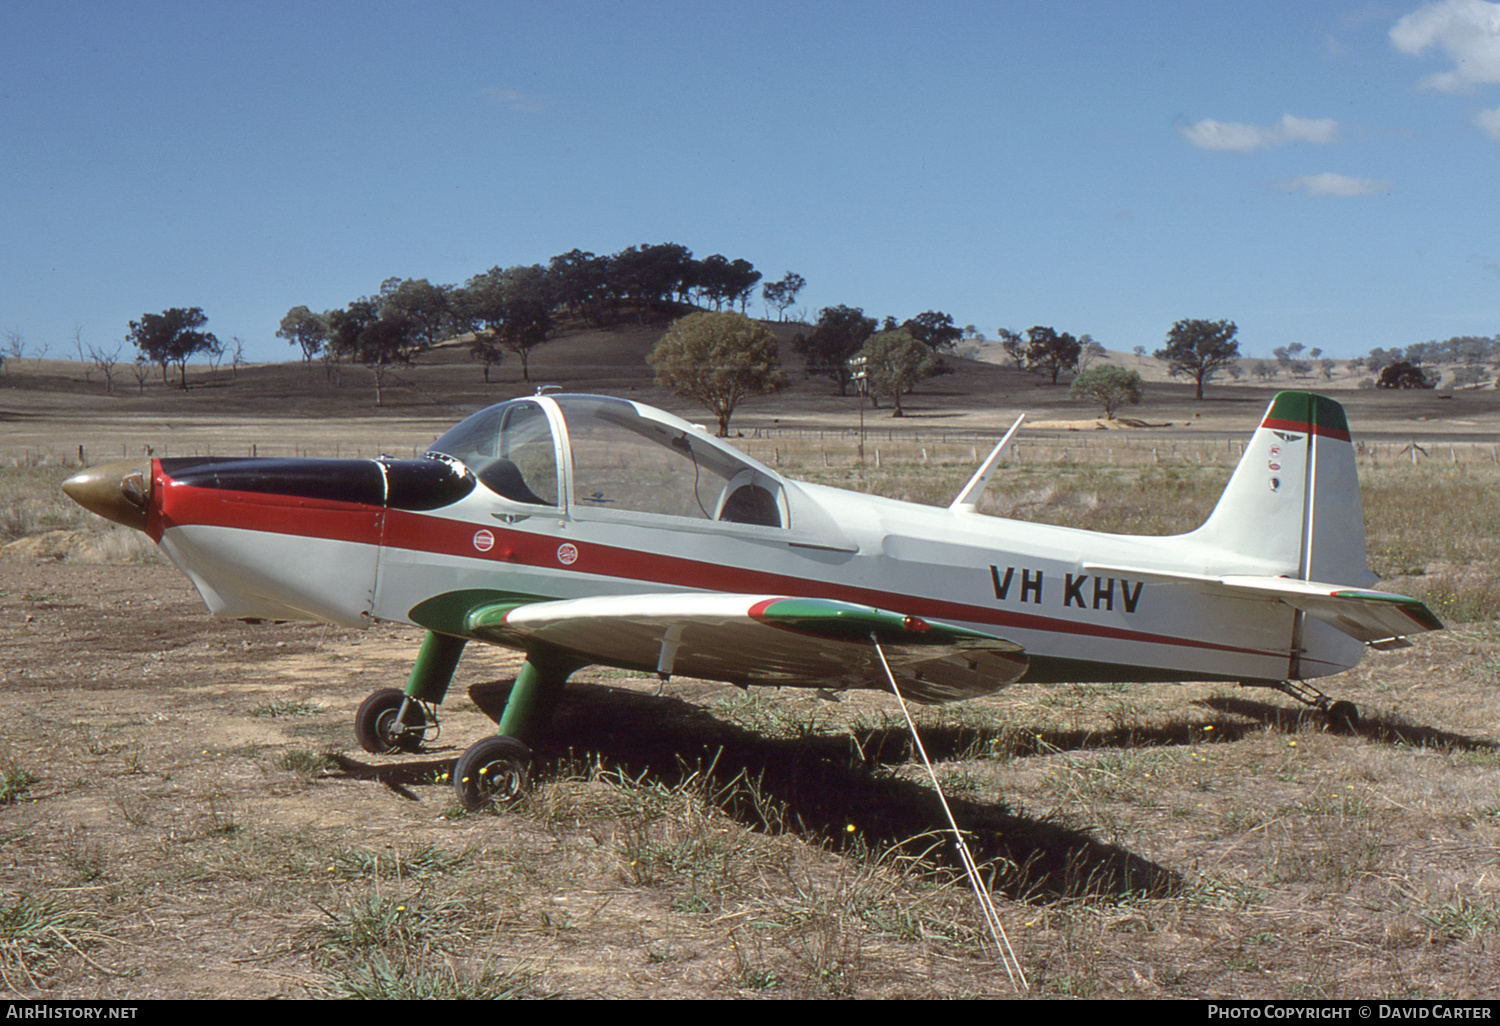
(1340,715)
(394,721)
(497,769)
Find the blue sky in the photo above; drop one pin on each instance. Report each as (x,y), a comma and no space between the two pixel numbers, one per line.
(1325,173)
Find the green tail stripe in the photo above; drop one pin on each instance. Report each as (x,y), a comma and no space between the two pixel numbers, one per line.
(1317,413)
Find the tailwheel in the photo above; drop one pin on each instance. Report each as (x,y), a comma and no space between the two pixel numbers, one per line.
(494,771)
(1341,715)
(388,721)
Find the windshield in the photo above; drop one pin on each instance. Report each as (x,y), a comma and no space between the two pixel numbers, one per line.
(509,447)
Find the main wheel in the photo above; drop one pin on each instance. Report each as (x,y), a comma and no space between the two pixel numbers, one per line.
(494,771)
(379,728)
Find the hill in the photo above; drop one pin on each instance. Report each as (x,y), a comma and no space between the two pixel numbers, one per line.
(57,406)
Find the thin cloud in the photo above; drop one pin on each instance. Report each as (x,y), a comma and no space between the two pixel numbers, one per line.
(514,100)
(1234,137)
(1488,122)
(1465,31)
(1330,184)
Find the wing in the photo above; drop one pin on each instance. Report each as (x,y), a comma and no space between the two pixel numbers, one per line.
(743,639)
(1377,618)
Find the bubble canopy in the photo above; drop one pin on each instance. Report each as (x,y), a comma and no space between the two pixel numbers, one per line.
(601,455)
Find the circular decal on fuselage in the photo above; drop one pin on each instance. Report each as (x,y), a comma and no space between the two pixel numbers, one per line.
(484,541)
(567,553)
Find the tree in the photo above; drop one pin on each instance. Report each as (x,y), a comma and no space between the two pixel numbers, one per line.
(425,307)
(171,336)
(649,274)
(1051,351)
(105,360)
(839,333)
(726,282)
(1088,352)
(1014,346)
(934,329)
(1264,369)
(1404,374)
(141,371)
(513,307)
(782,294)
(1109,386)
(15,344)
(379,342)
(1379,359)
(718,359)
(894,361)
(580,282)
(302,327)
(1199,348)
(1471,377)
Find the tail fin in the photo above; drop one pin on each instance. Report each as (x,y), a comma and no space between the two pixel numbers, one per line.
(1292,507)
(1288,529)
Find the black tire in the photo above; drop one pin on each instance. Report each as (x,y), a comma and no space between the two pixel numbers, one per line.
(378,728)
(1343,716)
(494,771)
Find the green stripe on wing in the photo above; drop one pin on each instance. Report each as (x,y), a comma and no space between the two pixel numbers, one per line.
(846,621)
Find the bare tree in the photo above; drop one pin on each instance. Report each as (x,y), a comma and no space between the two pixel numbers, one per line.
(106,361)
(15,343)
(142,371)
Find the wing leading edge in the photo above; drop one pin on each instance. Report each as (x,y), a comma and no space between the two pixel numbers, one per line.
(742,639)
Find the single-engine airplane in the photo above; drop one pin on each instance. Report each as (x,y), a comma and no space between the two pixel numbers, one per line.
(583,529)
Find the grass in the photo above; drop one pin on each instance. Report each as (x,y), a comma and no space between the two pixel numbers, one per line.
(1159,841)
(306,766)
(32,504)
(425,975)
(15,780)
(1459,916)
(383,940)
(38,932)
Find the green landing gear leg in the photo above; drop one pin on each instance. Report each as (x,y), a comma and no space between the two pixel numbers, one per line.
(394,721)
(496,770)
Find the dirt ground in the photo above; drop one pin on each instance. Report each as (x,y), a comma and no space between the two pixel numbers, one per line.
(197,805)
(185,812)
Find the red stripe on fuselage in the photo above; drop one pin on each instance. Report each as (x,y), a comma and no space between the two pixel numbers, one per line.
(422,533)
(181,505)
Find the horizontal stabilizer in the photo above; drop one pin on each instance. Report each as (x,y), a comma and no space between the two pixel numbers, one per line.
(1373,617)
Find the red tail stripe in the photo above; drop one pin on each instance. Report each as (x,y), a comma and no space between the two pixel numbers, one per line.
(1313,429)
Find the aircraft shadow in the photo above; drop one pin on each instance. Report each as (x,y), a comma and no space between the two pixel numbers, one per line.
(838,790)
(398,777)
(1383,728)
(830,790)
